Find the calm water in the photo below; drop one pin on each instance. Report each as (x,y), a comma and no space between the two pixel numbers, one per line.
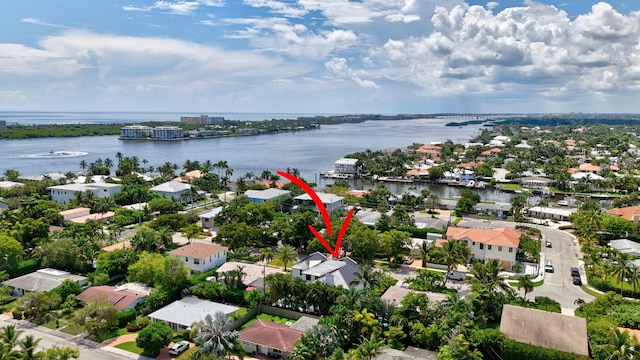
(310,151)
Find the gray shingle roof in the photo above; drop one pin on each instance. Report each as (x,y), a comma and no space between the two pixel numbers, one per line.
(189,310)
(42,280)
(324,268)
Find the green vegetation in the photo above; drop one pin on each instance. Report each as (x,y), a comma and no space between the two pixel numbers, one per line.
(130,346)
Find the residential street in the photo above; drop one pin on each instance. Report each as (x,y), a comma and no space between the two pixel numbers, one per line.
(564,255)
(89,350)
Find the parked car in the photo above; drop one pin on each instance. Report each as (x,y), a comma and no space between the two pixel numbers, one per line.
(456,275)
(575,271)
(408,260)
(577,280)
(548,244)
(179,347)
(548,267)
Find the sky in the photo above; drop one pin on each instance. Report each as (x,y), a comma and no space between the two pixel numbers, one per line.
(321,56)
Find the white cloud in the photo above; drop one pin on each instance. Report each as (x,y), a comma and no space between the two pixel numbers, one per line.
(278,7)
(176,7)
(338,68)
(43,23)
(534,50)
(492,5)
(351,12)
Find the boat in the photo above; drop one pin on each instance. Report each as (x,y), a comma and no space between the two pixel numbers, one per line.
(563,203)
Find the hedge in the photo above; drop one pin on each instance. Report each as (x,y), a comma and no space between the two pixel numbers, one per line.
(24,267)
(513,350)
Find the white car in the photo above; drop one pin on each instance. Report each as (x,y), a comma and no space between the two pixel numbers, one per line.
(179,347)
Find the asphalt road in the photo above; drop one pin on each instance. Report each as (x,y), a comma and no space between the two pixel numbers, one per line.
(88,350)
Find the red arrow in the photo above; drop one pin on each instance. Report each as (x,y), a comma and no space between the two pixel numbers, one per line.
(325,215)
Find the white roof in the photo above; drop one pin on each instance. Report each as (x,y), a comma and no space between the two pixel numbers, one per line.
(589,176)
(10,184)
(553,211)
(171,187)
(324,197)
(84,187)
(190,310)
(266,194)
(626,246)
(346,161)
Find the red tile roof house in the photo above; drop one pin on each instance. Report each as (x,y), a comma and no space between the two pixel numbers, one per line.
(487,244)
(269,338)
(120,297)
(200,257)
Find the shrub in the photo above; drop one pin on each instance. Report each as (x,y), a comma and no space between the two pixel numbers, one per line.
(126,316)
(17,314)
(143,321)
(513,350)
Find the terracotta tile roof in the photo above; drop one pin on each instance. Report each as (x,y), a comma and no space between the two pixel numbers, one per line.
(499,236)
(590,167)
(121,299)
(116,246)
(626,213)
(440,242)
(614,168)
(486,153)
(198,250)
(269,183)
(470,165)
(271,335)
(570,142)
(495,150)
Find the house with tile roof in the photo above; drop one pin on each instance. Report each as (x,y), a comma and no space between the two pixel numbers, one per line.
(630,213)
(589,168)
(269,338)
(200,256)
(545,329)
(254,273)
(488,244)
(122,297)
(316,267)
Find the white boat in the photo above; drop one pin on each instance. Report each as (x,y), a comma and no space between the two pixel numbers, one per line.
(563,203)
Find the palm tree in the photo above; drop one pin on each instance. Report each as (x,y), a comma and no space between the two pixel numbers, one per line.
(266,255)
(9,336)
(366,277)
(28,347)
(425,253)
(432,202)
(621,269)
(525,283)
(286,254)
(634,277)
(83,165)
(453,253)
(488,275)
(215,337)
(620,346)
(368,349)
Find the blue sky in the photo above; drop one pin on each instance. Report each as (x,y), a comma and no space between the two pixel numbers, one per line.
(320,56)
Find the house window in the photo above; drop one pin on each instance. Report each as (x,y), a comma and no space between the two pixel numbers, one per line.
(489,247)
(481,246)
(474,243)
(308,277)
(499,248)
(196,261)
(186,259)
(510,249)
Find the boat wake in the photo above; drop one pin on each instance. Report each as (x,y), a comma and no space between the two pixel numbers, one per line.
(55,155)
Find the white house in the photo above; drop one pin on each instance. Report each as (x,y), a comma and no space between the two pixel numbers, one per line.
(181,314)
(200,257)
(316,267)
(271,194)
(330,201)
(42,280)
(489,244)
(550,213)
(63,194)
(173,189)
(346,166)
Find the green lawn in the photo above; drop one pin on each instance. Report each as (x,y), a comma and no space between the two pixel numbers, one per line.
(591,292)
(511,186)
(130,347)
(73,329)
(113,333)
(267,317)
(187,354)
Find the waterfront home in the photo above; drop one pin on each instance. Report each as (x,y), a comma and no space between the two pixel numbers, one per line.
(495,209)
(536,182)
(181,314)
(64,194)
(544,212)
(200,257)
(430,152)
(330,201)
(487,244)
(10,185)
(269,338)
(271,194)
(173,189)
(545,329)
(189,177)
(42,280)
(316,267)
(345,166)
(459,175)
